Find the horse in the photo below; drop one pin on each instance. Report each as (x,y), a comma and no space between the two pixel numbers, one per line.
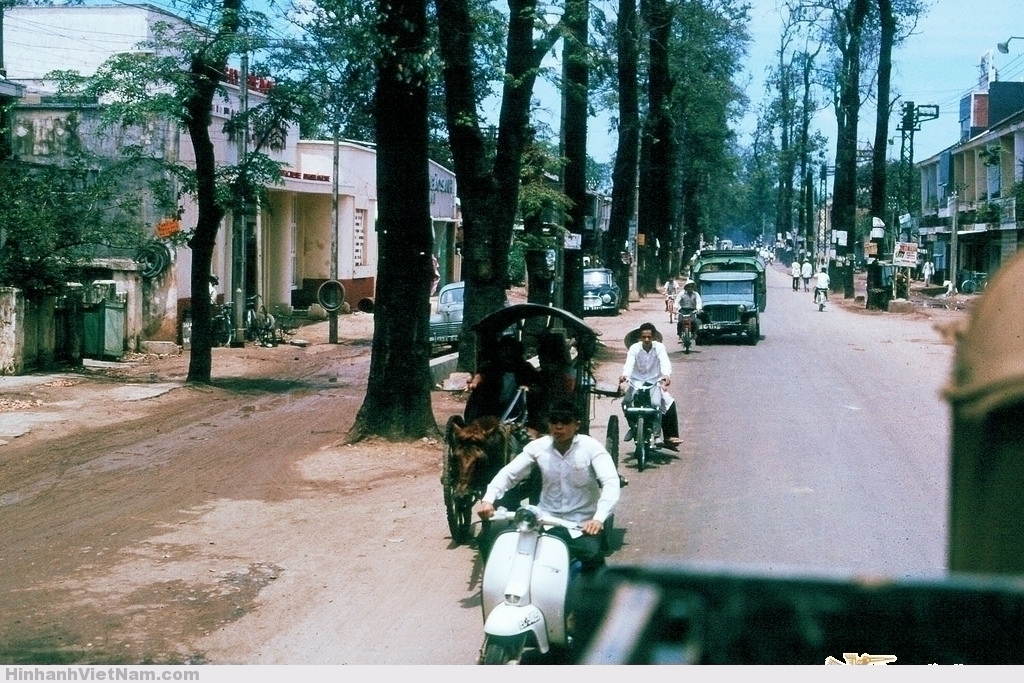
(476,451)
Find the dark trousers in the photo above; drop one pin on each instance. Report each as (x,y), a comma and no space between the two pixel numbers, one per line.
(588,550)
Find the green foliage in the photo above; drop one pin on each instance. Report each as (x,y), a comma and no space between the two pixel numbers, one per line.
(55,220)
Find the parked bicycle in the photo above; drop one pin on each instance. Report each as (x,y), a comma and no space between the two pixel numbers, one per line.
(223,324)
(974,282)
(263,327)
(259,322)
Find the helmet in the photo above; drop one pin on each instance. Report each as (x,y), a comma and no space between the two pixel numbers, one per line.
(690,284)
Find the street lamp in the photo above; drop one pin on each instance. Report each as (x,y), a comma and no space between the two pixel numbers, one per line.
(1005,47)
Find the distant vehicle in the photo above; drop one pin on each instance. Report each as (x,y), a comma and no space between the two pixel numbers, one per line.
(733,291)
(601,294)
(446,320)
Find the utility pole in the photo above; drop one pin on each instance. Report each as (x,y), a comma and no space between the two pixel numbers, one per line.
(954,204)
(241,219)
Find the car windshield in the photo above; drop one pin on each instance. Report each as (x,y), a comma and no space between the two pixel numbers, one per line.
(594,278)
(453,295)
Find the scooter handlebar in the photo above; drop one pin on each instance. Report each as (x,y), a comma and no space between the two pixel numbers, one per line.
(502,514)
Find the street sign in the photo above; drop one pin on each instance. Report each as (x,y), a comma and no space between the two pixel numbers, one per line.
(574,240)
(905,254)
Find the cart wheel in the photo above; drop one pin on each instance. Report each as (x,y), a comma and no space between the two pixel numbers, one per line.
(611,439)
(457,512)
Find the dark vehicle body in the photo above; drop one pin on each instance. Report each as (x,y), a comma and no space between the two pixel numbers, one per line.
(733,291)
(601,294)
(446,320)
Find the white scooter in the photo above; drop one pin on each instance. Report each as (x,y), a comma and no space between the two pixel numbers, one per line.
(525,584)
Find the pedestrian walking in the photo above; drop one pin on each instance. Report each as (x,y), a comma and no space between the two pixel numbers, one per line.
(927,272)
(806,271)
(794,270)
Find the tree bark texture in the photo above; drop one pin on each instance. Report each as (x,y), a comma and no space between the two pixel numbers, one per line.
(397,404)
(489,194)
(206,70)
(627,154)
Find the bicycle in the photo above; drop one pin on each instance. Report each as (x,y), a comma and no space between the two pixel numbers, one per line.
(223,324)
(974,283)
(260,324)
(820,298)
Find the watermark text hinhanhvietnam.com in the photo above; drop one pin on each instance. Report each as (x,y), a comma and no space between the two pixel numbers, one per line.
(97,673)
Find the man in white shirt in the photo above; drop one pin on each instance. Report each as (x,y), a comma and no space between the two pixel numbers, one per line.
(821,284)
(579,482)
(806,271)
(647,361)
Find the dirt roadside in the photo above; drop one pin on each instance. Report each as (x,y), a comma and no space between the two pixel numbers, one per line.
(148,521)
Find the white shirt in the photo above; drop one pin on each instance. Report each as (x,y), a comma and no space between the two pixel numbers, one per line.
(795,269)
(647,366)
(697,301)
(578,486)
(807,269)
(822,280)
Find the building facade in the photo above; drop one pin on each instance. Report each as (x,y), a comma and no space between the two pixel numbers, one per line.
(289,247)
(969,223)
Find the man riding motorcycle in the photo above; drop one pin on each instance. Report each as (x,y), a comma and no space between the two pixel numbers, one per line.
(687,302)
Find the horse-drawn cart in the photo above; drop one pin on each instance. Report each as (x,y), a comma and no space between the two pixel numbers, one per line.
(475,451)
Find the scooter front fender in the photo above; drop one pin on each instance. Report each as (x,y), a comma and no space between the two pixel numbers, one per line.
(512,620)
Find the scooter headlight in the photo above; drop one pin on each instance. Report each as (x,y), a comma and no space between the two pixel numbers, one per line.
(526,519)
(513,599)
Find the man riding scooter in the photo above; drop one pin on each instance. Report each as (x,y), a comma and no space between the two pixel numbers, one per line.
(579,483)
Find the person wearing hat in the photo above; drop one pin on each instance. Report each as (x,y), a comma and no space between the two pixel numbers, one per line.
(647,361)
(687,303)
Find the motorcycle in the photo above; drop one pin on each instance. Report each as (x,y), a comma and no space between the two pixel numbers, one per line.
(687,327)
(525,586)
(644,419)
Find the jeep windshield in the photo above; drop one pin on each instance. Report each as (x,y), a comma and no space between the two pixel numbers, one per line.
(727,289)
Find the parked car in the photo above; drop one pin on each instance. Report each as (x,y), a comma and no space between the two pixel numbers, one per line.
(601,293)
(733,292)
(446,319)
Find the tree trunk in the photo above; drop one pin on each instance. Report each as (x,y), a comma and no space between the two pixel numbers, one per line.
(397,404)
(574,148)
(657,151)
(844,203)
(206,69)
(489,195)
(883,111)
(624,174)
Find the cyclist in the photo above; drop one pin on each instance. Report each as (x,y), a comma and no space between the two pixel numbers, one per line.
(647,361)
(687,303)
(821,284)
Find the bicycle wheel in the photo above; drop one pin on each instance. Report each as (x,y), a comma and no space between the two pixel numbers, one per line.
(969,287)
(641,444)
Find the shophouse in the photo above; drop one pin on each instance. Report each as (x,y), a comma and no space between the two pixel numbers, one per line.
(285,251)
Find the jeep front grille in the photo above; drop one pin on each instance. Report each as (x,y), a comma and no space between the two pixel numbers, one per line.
(719,314)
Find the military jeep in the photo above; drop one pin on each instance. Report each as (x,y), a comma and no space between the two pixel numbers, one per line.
(733,292)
